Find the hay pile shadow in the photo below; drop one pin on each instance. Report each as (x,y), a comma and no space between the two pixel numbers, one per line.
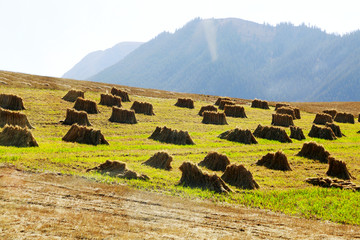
(335,128)
(283,120)
(224,103)
(279,105)
(260,104)
(331,112)
(122,116)
(209,108)
(314,151)
(192,176)
(110,100)
(117,169)
(332,183)
(235,111)
(217,103)
(86,105)
(168,135)
(78,117)
(120,93)
(275,161)
(17,136)
(214,118)
(215,161)
(143,107)
(239,176)
(161,160)
(337,168)
(82,134)
(239,135)
(72,95)
(322,132)
(11,102)
(13,118)
(185,103)
(344,118)
(272,133)
(322,118)
(296,133)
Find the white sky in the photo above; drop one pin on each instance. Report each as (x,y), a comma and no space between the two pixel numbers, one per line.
(48,37)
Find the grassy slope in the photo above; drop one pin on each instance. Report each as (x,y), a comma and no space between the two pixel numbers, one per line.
(280,191)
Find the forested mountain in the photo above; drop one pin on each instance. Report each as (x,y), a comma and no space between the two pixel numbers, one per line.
(99,60)
(237,58)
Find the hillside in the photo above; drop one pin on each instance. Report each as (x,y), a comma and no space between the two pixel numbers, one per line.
(237,58)
(97,61)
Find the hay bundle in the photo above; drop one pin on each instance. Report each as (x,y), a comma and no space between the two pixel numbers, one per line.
(322,132)
(82,134)
(296,133)
(72,95)
(217,103)
(122,116)
(359,118)
(171,136)
(160,160)
(78,117)
(143,107)
(276,161)
(314,151)
(279,105)
(192,176)
(239,135)
(11,102)
(185,103)
(117,169)
(118,92)
(344,118)
(286,110)
(323,118)
(297,113)
(110,100)
(335,128)
(209,108)
(215,161)
(235,111)
(239,176)
(332,183)
(214,118)
(272,133)
(13,118)
(86,105)
(224,103)
(284,120)
(331,112)
(337,168)
(259,104)
(17,136)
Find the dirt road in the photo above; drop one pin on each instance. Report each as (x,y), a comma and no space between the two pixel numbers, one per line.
(38,206)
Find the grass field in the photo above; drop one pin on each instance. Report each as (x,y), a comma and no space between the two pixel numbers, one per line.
(279,191)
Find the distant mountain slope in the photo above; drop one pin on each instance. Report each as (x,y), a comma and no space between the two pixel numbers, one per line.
(237,58)
(97,61)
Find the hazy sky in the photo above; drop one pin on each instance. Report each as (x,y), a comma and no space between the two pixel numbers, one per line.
(48,37)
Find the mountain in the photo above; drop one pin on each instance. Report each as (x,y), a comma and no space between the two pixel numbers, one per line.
(238,58)
(97,61)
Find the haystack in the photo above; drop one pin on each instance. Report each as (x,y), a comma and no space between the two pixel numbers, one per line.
(283,120)
(259,104)
(86,105)
(185,103)
(122,116)
(168,135)
(279,105)
(296,133)
(359,118)
(335,128)
(239,176)
(286,110)
(110,100)
(78,117)
(272,133)
(239,135)
(192,176)
(209,108)
(275,161)
(82,134)
(215,161)
(322,118)
(322,132)
(337,168)
(17,136)
(120,93)
(224,103)
(13,118)
(143,107)
(331,112)
(217,103)
(297,113)
(160,160)
(117,169)
(332,183)
(344,118)
(214,118)
(314,151)
(72,95)
(235,111)
(11,102)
